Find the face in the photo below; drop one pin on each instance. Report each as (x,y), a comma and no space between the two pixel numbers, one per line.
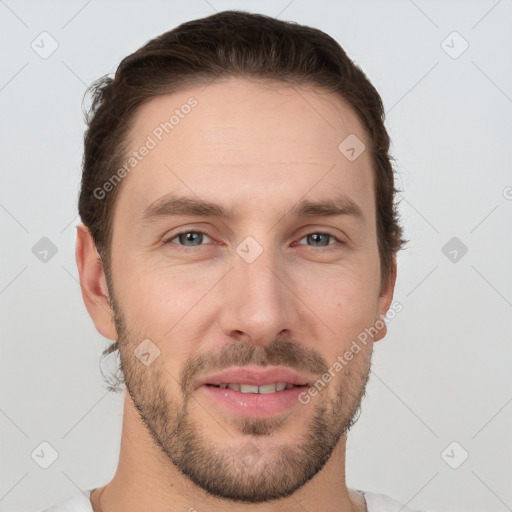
(245,260)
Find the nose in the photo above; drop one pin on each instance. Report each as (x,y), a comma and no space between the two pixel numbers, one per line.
(258,303)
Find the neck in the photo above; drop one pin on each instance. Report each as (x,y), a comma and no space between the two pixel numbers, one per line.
(146,479)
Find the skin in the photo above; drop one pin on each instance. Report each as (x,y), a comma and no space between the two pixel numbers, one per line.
(257,150)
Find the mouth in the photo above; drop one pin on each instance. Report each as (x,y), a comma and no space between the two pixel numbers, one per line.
(262,390)
(256,379)
(255,392)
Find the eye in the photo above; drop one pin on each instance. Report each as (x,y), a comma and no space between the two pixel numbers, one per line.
(197,238)
(188,238)
(319,239)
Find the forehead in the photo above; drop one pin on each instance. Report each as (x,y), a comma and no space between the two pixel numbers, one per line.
(246,142)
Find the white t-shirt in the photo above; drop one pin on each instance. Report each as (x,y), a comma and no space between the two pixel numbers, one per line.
(374,502)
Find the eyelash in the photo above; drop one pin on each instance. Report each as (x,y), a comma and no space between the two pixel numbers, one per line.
(176,235)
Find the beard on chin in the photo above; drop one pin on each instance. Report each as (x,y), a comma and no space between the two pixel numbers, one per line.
(242,471)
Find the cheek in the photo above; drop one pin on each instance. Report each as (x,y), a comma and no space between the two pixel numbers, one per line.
(345,303)
(157,306)
(159,299)
(351,289)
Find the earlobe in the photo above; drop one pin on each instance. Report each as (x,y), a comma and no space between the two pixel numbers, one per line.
(93,283)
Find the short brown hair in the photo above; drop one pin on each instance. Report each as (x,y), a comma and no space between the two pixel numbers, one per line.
(228,44)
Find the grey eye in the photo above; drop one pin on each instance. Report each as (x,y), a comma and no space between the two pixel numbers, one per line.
(190,238)
(318,239)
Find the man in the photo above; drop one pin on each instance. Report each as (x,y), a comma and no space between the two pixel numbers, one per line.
(238,245)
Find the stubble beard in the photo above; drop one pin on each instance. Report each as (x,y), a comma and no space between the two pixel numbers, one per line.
(244,472)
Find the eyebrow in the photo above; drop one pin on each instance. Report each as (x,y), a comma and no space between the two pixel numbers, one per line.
(171,205)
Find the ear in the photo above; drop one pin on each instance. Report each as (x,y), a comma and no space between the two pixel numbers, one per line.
(93,283)
(385,299)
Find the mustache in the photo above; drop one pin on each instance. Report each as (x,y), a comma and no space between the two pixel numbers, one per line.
(277,353)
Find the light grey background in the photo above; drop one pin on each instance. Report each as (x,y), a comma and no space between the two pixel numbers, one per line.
(443,374)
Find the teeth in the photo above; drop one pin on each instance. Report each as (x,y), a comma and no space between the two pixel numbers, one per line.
(268,388)
(251,388)
(248,388)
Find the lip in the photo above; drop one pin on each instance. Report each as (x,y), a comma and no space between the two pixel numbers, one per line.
(257,376)
(253,405)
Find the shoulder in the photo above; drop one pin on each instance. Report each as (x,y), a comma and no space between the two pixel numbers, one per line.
(383,503)
(78,503)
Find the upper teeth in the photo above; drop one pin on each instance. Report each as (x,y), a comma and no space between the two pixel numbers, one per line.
(250,388)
